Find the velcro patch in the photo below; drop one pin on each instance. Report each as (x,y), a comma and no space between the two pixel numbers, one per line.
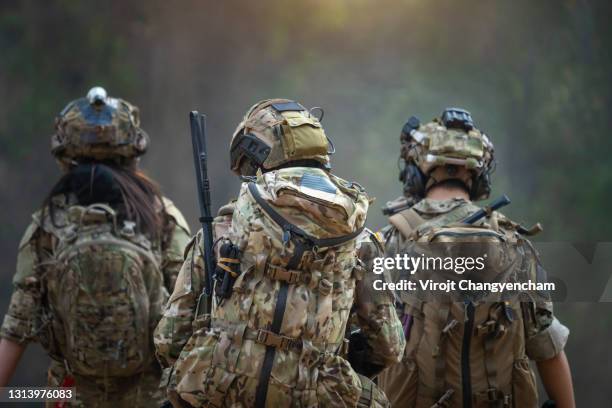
(316,182)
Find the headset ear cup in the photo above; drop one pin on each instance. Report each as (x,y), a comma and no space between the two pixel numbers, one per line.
(414,181)
(481,187)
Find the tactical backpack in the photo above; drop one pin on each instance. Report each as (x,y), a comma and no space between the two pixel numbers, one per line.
(276,339)
(468,353)
(105,294)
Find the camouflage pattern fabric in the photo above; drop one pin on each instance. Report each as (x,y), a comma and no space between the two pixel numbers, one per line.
(30,316)
(176,235)
(286,132)
(143,390)
(221,366)
(99,127)
(105,293)
(437,150)
(500,372)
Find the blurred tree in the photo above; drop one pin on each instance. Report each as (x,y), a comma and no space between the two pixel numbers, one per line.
(535,75)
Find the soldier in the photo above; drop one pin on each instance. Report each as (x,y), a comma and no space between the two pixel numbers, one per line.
(288,243)
(97,262)
(468,354)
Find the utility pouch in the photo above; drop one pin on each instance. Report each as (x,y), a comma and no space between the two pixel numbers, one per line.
(227,270)
(302,136)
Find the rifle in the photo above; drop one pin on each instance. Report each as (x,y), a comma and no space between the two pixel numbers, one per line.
(494,206)
(198,141)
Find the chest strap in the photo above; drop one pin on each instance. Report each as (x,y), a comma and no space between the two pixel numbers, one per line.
(271,339)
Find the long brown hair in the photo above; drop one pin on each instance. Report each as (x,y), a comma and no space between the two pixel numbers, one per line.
(126,189)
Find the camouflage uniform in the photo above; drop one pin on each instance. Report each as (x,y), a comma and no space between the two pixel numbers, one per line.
(221,365)
(545,336)
(374,310)
(30,316)
(24,320)
(501,336)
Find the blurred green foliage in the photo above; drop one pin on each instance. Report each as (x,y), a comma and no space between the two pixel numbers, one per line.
(535,75)
(50,52)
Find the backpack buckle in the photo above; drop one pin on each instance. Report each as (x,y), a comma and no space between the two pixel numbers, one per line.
(269,338)
(491,327)
(275,272)
(495,395)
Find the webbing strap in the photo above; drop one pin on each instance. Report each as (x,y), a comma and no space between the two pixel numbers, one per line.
(494,398)
(294,229)
(444,400)
(439,350)
(490,358)
(275,272)
(367,392)
(279,311)
(406,221)
(269,338)
(304,241)
(218,394)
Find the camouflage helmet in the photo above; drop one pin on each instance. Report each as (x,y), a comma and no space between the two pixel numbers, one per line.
(276,132)
(434,152)
(98,127)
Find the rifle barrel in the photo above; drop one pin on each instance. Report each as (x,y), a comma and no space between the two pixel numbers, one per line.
(494,206)
(198,140)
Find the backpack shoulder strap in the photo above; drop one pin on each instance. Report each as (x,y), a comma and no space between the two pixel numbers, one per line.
(406,221)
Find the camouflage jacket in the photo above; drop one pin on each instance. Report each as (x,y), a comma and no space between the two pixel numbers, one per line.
(374,310)
(23,318)
(545,335)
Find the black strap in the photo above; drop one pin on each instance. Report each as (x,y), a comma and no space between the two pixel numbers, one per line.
(294,229)
(277,321)
(303,242)
(287,106)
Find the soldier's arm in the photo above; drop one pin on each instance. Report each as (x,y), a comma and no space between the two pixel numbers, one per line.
(10,354)
(546,339)
(557,379)
(175,327)
(176,236)
(376,313)
(20,324)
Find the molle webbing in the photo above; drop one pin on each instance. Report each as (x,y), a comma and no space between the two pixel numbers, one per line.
(268,338)
(303,242)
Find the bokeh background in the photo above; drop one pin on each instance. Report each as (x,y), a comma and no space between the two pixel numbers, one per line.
(535,75)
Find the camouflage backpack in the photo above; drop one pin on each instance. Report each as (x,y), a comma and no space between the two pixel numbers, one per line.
(276,339)
(468,352)
(104,293)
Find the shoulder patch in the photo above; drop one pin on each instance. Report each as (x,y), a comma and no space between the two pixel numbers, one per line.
(176,214)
